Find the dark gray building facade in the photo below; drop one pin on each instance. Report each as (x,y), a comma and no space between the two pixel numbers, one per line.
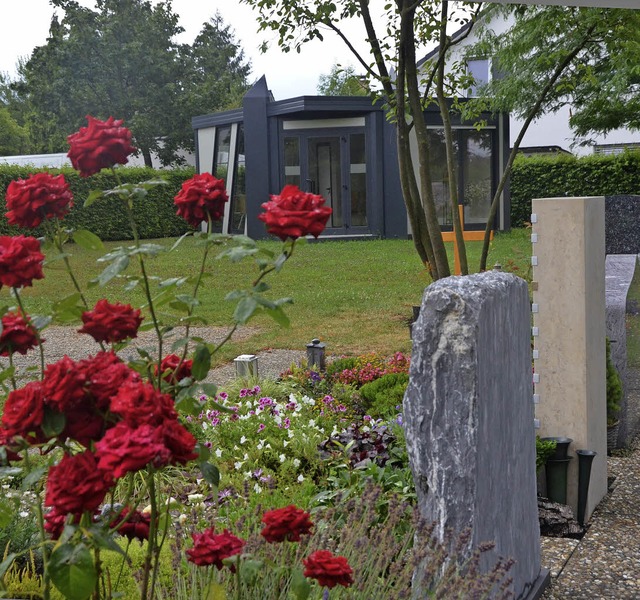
(344,149)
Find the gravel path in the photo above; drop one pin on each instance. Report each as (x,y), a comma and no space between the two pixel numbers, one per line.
(61,341)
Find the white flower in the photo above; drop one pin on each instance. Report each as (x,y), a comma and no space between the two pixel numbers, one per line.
(182,519)
(290,431)
(219,453)
(243,440)
(24,514)
(248,474)
(312,423)
(260,445)
(237,465)
(257,489)
(300,478)
(268,446)
(282,458)
(296,462)
(205,426)
(285,443)
(195,497)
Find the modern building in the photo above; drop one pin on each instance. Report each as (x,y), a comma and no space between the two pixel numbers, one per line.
(343,148)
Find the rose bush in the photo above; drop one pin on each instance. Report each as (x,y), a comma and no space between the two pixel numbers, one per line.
(100,421)
(327,569)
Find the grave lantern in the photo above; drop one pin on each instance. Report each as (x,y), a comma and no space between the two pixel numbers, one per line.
(246,365)
(315,355)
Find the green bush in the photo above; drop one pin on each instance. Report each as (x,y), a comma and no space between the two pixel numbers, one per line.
(544,450)
(614,389)
(381,397)
(155,215)
(564,175)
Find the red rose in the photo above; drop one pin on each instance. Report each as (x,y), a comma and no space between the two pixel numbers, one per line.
(211,549)
(132,524)
(101,145)
(10,448)
(327,569)
(42,196)
(287,523)
(105,374)
(124,449)
(20,260)
(63,384)
(201,197)
(76,485)
(180,442)
(295,213)
(139,403)
(24,411)
(111,322)
(18,334)
(173,370)
(55,521)
(84,424)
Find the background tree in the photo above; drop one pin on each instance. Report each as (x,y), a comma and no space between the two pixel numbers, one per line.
(547,59)
(408,26)
(342,81)
(122,60)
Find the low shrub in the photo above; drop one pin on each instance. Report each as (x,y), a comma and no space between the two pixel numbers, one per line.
(382,397)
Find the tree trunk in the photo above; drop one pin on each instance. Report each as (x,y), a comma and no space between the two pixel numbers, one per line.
(146,154)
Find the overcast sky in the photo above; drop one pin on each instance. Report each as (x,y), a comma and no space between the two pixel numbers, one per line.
(24,24)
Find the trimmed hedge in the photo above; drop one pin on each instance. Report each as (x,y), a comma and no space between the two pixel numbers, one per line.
(564,175)
(155,215)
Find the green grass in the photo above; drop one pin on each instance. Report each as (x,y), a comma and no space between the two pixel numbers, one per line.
(355,296)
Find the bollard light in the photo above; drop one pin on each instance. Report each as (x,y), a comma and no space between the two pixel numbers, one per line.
(315,355)
(246,365)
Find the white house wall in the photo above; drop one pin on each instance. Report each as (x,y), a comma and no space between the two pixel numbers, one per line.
(551,129)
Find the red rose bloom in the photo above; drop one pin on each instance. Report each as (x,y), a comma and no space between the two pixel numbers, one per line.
(20,260)
(180,443)
(201,197)
(76,485)
(327,569)
(132,524)
(24,411)
(84,424)
(173,370)
(10,447)
(287,523)
(124,449)
(18,334)
(63,384)
(139,403)
(111,322)
(295,213)
(211,549)
(105,374)
(42,196)
(55,521)
(101,145)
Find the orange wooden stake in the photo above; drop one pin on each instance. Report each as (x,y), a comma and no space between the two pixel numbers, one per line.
(467,236)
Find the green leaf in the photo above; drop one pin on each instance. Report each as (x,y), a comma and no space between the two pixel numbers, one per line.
(69,301)
(40,321)
(187,402)
(250,571)
(10,471)
(245,309)
(279,316)
(209,389)
(87,240)
(201,362)
(7,509)
(93,196)
(33,477)
(72,571)
(280,262)
(104,540)
(53,423)
(300,586)
(210,473)
(237,253)
(214,591)
(235,295)
(6,564)
(179,240)
(131,284)
(113,270)
(7,373)
(263,286)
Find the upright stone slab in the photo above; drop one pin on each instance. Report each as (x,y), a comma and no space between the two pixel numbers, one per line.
(469,418)
(569,332)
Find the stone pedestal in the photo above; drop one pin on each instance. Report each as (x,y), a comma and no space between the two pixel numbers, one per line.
(470,420)
(569,331)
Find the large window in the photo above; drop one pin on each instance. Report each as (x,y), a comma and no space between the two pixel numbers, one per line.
(473,174)
(480,70)
(239,191)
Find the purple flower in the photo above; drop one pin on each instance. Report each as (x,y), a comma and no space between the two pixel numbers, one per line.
(341,408)
(261,427)
(257,473)
(327,399)
(287,423)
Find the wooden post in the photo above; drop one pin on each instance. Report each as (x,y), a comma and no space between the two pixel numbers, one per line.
(467,236)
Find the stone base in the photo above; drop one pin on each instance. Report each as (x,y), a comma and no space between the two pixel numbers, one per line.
(539,585)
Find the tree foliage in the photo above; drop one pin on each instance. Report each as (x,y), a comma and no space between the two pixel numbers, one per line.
(342,82)
(122,59)
(395,33)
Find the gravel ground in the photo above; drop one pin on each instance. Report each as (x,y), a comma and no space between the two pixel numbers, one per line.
(65,340)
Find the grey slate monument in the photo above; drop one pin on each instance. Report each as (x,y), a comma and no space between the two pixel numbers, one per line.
(469,419)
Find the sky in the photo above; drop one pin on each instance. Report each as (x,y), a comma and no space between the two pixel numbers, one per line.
(24,25)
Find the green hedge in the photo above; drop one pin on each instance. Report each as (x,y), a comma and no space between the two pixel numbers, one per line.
(155,215)
(564,175)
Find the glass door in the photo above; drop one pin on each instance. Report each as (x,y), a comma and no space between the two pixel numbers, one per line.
(335,167)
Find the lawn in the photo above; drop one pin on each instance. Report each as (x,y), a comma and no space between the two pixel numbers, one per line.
(355,296)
